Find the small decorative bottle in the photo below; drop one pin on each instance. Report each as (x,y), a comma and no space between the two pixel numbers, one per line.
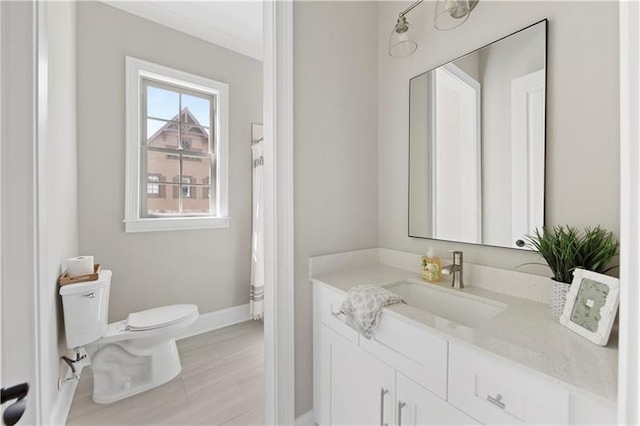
(430,268)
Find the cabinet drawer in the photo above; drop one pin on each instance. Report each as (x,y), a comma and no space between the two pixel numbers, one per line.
(494,392)
(412,351)
(329,306)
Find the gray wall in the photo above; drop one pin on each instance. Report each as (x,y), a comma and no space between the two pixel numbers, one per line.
(208,267)
(336,154)
(60,208)
(582,114)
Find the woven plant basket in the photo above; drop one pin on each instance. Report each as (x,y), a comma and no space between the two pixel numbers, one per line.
(559,293)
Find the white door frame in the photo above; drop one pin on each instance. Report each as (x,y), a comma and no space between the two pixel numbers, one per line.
(629,344)
(279,216)
(2,384)
(21,125)
(278,105)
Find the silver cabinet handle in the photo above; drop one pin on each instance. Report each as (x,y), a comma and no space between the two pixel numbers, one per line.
(497,401)
(91,295)
(340,316)
(383,392)
(401,405)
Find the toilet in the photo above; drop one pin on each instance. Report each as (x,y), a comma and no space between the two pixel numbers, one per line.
(129,356)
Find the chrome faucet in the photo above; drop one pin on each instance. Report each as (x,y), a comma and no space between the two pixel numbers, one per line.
(455,269)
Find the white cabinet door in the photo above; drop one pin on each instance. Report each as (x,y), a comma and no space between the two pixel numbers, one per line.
(356,387)
(417,406)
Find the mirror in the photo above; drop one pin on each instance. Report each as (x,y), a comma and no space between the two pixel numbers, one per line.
(477,144)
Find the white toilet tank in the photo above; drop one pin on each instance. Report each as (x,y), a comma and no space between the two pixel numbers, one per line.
(86,307)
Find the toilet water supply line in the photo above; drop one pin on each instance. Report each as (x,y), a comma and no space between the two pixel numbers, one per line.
(71,363)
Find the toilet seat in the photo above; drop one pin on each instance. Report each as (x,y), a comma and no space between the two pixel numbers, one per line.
(163,316)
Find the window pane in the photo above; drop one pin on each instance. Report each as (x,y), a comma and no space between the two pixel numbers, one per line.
(162,134)
(196,202)
(197,168)
(162,103)
(200,109)
(197,172)
(195,138)
(164,165)
(163,203)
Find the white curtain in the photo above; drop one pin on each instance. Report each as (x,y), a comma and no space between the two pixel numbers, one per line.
(257,235)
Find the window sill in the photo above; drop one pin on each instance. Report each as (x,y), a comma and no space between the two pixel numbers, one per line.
(175,224)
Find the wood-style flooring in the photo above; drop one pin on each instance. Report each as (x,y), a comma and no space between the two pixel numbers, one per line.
(221,383)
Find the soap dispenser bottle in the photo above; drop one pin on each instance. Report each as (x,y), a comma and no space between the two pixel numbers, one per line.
(430,268)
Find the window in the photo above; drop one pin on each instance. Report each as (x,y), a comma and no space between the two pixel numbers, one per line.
(176,127)
(153,185)
(186,189)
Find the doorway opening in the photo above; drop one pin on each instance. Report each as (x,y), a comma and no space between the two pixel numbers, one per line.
(41,315)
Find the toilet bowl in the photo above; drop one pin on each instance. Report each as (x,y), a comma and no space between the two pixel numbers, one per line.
(129,356)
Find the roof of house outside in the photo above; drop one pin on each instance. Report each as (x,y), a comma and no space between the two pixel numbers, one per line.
(172,126)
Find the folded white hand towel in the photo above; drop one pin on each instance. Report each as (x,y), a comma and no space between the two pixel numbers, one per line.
(362,307)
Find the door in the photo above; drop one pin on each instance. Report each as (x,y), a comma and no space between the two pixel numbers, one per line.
(18,207)
(358,388)
(527,155)
(417,406)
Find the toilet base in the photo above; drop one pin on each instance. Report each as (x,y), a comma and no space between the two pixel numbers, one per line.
(123,369)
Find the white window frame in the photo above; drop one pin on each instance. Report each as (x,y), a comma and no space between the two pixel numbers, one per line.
(136,70)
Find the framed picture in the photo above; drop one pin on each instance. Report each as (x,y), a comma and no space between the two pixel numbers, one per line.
(592,304)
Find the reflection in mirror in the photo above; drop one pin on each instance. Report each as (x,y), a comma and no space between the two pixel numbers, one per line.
(476,144)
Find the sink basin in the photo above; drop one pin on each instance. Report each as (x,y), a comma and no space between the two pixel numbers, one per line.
(454,305)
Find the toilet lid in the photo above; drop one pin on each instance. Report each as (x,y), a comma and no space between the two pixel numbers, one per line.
(159,317)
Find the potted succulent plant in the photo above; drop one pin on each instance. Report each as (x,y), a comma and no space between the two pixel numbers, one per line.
(565,248)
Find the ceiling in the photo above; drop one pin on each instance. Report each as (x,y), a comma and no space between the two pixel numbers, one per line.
(235,25)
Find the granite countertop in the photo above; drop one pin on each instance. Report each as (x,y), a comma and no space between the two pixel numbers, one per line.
(525,333)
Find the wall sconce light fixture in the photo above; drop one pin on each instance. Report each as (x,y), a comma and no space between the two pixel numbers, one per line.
(449,14)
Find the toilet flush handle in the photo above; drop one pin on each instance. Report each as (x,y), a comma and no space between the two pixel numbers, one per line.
(91,295)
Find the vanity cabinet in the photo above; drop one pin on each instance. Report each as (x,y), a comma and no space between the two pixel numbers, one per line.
(407,375)
(357,388)
(397,378)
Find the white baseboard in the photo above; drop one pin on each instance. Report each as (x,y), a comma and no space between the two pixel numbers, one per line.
(61,408)
(218,319)
(306,419)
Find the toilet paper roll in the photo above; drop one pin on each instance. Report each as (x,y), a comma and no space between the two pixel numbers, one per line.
(81,265)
